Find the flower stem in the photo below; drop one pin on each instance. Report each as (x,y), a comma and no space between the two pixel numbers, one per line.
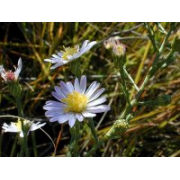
(135,100)
(94,148)
(93,130)
(24,148)
(130,78)
(124,86)
(75,135)
(34,144)
(14,146)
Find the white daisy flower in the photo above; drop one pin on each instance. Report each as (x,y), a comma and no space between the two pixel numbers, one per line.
(10,76)
(17,127)
(70,54)
(76,102)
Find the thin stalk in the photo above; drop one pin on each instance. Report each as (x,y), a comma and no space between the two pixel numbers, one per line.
(93,130)
(34,144)
(135,100)
(14,146)
(124,87)
(130,78)
(73,147)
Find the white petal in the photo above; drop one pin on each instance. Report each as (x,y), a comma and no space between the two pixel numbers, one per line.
(63,118)
(10,128)
(84,44)
(35,126)
(1,69)
(54,105)
(70,87)
(98,109)
(92,88)
(3,73)
(55,56)
(58,90)
(77,86)
(96,94)
(54,113)
(60,118)
(19,68)
(60,54)
(47,60)
(97,102)
(64,88)
(57,65)
(79,117)
(57,96)
(88,47)
(83,83)
(72,120)
(87,114)
(53,119)
(74,56)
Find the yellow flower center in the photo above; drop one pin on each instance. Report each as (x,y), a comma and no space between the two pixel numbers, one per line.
(69,52)
(76,102)
(19,124)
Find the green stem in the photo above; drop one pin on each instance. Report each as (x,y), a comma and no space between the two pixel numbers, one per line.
(126,114)
(14,146)
(24,147)
(34,144)
(135,100)
(19,107)
(151,36)
(93,130)
(95,147)
(73,147)
(25,139)
(124,87)
(130,78)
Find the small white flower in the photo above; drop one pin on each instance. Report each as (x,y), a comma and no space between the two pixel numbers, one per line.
(70,54)
(76,102)
(17,127)
(10,76)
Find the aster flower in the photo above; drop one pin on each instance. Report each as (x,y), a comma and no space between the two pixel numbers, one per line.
(10,76)
(75,102)
(69,54)
(17,127)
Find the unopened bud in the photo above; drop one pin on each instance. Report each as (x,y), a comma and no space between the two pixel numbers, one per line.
(120,126)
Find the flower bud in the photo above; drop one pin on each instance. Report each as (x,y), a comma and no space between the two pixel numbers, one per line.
(120,126)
